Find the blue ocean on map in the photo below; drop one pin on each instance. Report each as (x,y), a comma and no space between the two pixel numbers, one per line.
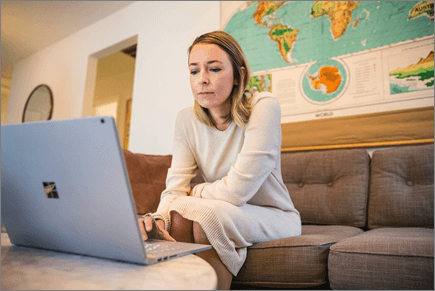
(379,23)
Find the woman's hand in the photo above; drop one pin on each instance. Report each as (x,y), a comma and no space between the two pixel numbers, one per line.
(197,190)
(152,229)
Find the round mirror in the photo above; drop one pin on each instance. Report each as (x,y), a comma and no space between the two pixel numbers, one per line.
(39,105)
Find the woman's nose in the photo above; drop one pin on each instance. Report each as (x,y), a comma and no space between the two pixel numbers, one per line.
(203,77)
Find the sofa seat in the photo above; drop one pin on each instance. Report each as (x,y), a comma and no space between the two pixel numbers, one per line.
(294,262)
(384,258)
(339,194)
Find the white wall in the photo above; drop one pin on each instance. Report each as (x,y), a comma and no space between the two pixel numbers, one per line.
(164,31)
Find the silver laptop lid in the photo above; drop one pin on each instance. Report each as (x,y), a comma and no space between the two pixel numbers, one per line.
(64,186)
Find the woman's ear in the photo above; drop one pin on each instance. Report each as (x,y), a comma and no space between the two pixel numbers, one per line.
(243,71)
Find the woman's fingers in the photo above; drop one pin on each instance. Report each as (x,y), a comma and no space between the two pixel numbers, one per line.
(152,230)
(142,229)
(167,236)
(146,227)
(148,223)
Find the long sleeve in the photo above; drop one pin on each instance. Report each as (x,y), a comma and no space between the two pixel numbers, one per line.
(258,157)
(244,199)
(183,169)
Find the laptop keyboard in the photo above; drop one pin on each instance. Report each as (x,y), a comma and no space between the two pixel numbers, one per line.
(157,249)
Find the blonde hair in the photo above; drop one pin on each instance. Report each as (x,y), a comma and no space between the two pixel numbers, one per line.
(240,109)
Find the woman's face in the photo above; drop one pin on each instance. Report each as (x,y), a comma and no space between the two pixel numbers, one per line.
(211,77)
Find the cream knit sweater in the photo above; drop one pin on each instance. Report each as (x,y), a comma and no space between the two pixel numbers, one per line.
(244,199)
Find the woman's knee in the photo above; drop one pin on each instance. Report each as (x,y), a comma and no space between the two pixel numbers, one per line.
(181,228)
(199,235)
(178,221)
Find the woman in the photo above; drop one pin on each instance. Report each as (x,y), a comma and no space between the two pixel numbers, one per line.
(234,143)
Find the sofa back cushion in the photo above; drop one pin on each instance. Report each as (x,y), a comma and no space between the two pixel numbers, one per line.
(401,187)
(147,175)
(328,187)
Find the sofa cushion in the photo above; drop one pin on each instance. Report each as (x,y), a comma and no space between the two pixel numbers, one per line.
(401,187)
(294,262)
(328,187)
(147,175)
(384,258)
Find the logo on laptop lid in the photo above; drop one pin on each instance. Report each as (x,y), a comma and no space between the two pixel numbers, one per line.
(50,189)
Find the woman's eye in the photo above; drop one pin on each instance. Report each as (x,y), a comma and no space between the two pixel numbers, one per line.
(193,72)
(215,70)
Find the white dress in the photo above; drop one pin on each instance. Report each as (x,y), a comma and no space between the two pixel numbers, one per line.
(244,200)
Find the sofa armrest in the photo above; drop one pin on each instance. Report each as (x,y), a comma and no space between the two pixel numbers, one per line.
(147,174)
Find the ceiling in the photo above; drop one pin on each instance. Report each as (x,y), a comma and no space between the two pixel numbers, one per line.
(29,26)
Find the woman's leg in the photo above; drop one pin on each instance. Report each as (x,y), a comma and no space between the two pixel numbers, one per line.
(184,230)
(224,275)
(181,228)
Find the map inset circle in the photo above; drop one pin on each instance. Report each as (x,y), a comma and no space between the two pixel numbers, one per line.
(324,81)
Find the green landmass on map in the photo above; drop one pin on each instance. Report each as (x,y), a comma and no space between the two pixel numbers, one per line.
(423,73)
(422,8)
(261,83)
(424,69)
(265,8)
(338,12)
(285,36)
(317,9)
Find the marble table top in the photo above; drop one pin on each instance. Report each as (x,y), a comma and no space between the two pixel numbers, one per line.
(30,268)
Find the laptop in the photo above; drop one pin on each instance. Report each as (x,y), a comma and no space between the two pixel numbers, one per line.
(65,187)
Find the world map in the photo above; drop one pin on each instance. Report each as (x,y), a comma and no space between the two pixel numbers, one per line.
(277,34)
(338,59)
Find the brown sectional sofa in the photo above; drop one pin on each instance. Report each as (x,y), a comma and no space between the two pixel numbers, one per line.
(367,221)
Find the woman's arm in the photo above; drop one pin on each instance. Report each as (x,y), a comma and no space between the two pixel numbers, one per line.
(183,168)
(256,160)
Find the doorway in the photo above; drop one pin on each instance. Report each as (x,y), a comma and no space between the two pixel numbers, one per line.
(109,89)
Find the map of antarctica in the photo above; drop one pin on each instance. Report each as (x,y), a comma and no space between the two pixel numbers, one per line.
(324,81)
(325,41)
